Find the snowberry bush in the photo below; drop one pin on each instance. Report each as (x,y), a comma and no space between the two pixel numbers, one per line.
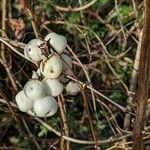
(48,82)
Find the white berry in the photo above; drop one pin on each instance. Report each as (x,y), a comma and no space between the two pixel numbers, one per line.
(24,104)
(35,89)
(53,86)
(32,51)
(51,67)
(58,42)
(72,88)
(45,107)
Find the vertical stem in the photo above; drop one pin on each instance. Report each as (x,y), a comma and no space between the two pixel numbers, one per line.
(3,48)
(32,17)
(135,8)
(64,119)
(133,83)
(90,118)
(86,74)
(4,15)
(143,82)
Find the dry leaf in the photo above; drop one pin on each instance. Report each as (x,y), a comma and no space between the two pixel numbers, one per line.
(18,27)
(20,5)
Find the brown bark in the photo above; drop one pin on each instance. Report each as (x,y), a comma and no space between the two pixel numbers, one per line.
(143,82)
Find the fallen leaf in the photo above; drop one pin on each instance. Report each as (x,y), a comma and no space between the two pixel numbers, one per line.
(18,27)
(20,5)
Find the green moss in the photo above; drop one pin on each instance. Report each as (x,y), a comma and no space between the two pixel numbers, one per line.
(74,18)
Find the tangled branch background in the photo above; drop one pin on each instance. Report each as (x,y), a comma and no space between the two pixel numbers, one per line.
(104,42)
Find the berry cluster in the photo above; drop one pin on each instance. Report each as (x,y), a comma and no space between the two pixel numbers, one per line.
(49,79)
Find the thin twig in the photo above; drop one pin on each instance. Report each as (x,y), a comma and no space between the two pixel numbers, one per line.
(79,141)
(32,18)
(3,48)
(30,134)
(13,49)
(4,15)
(86,74)
(64,119)
(133,83)
(102,95)
(89,118)
(81,8)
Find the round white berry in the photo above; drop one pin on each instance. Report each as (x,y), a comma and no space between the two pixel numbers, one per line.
(72,88)
(24,104)
(35,89)
(53,86)
(32,50)
(51,67)
(58,42)
(45,107)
